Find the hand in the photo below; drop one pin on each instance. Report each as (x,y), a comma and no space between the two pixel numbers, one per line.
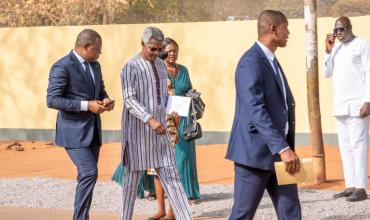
(156,126)
(177,119)
(96,106)
(108,104)
(329,42)
(291,161)
(365,110)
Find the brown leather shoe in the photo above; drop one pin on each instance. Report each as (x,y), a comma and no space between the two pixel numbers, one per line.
(357,195)
(346,193)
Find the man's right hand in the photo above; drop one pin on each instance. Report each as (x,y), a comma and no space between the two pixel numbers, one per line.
(96,106)
(329,43)
(156,126)
(291,161)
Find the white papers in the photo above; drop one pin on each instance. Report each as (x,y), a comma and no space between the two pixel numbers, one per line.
(179,104)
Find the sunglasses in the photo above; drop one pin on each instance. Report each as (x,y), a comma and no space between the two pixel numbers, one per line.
(337,30)
(153,49)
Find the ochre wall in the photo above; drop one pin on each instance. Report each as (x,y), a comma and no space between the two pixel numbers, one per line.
(209,50)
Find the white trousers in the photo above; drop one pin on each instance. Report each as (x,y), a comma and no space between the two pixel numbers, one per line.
(353,141)
(171,184)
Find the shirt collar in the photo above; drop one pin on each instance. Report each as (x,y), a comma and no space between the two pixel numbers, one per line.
(82,60)
(270,55)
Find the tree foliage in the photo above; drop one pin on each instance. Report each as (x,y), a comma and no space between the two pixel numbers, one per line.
(15,13)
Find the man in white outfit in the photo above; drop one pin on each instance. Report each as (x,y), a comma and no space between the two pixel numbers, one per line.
(349,64)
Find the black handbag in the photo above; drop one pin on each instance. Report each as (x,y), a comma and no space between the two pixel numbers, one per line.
(192,130)
(197,102)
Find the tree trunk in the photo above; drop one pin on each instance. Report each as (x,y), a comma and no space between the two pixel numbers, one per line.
(313,101)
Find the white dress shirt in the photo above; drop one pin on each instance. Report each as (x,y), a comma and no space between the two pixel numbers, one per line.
(84,104)
(349,64)
(271,56)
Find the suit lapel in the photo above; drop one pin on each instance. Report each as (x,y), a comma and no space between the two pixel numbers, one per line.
(268,64)
(79,69)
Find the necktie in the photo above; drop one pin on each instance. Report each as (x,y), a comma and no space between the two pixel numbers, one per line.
(88,74)
(277,72)
(276,66)
(280,82)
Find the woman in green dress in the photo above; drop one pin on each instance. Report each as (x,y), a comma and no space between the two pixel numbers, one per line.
(146,182)
(185,155)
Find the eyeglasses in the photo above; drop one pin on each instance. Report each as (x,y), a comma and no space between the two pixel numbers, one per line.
(98,50)
(338,30)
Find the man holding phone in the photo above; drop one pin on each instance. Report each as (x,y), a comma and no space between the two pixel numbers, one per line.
(349,64)
(76,89)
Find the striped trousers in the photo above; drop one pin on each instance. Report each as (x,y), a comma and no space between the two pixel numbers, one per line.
(171,184)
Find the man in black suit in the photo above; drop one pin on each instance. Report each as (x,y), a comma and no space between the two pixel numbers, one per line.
(76,89)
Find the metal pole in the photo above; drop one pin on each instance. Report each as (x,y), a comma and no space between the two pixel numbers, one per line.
(313,101)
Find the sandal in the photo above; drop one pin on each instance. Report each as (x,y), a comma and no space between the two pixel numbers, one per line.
(157,217)
(151,197)
(194,201)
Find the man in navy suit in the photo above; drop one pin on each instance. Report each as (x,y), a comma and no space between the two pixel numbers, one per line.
(76,89)
(263,127)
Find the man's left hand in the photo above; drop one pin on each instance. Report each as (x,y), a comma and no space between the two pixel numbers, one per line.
(108,104)
(365,110)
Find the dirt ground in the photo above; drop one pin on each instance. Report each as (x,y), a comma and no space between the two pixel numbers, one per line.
(42,159)
(12,213)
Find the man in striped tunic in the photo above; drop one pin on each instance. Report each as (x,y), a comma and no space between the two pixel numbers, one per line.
(145,143)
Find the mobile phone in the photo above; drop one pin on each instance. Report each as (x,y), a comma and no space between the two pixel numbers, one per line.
(109,103)
(333,35)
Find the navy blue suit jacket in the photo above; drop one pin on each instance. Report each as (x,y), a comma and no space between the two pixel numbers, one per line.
(68,86)
(258,132)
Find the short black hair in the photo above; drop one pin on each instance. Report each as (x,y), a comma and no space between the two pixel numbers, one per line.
(345,21)
(87,37)
(268,18)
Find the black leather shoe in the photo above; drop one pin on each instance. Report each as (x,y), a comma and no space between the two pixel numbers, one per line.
(357,195)
(347,192)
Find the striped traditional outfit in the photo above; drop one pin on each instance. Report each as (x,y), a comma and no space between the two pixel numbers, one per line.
(144,88)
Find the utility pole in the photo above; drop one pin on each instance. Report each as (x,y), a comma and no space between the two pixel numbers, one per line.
(313,100)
